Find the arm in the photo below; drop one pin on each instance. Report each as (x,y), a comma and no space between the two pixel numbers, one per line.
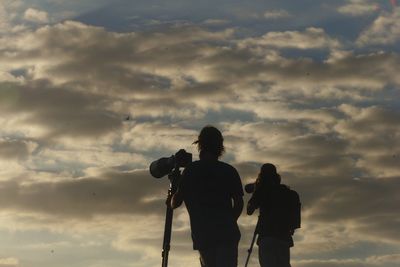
(237,206)
(236,193)
(254,202)
(251,206)
(177,199)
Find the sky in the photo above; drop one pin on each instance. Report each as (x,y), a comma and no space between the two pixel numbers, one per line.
(91,92)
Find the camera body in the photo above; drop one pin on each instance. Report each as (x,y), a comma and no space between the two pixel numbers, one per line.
(249,188)
(163,166)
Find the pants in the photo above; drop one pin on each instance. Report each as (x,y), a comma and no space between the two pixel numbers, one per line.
(273,252)
(224,255)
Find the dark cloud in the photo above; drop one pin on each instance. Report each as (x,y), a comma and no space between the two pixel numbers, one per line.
(390,260)
(5,264)
(59,110)
(13,149)
(373,135)
(190,59)
(291,145)
(110,193)
(371,204)
(332,263)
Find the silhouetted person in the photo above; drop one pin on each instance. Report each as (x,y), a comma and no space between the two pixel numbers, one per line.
(213,195)
(279,217)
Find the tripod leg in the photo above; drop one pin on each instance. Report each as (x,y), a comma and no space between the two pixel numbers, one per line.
(173,177)
(253,241)
(250,249)
(167,236)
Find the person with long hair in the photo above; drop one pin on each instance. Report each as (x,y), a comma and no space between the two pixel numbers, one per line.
(213,195)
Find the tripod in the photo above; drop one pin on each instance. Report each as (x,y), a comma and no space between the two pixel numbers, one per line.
(173,177)
(252,242)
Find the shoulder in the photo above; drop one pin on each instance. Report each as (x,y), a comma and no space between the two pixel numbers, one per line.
(227,167)
(192,166)
(287,188)
(290,192)
(229,173)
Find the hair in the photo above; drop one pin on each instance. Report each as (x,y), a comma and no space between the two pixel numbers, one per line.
(210,140)
(268,174)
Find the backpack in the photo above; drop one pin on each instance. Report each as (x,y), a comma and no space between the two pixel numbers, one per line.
(294,212)
(287,210)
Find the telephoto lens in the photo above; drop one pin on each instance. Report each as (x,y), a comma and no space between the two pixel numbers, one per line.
(163,166)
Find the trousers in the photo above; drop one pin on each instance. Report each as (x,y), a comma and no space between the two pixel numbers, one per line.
(273,252)
(224,255)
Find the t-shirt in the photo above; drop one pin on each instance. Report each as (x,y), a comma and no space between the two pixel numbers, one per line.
(207,188)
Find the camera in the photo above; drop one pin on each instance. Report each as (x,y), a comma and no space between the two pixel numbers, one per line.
(249,188)
(164,166)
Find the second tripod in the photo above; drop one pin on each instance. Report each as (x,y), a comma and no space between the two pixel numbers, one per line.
(250,250)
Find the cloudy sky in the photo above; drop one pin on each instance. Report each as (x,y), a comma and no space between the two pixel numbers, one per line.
(92,91)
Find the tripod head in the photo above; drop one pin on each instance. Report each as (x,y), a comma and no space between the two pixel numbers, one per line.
(163,166)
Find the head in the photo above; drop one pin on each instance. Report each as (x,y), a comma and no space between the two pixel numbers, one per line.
(268,174)
(210,140)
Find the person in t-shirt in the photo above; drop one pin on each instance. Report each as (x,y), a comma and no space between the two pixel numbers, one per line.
(213,195)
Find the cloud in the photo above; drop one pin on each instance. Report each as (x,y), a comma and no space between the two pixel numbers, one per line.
(377,150)
(390,260)
(85,110)
(35,15)
(110,192)
(3,20)
(311,38)
(375,219)
(9,262)
(358,8)
(385,30)
(57,111)
(276,14)
(13,149)
(330,163)
(385,259)
(9,13)
(143,79)
(332,263)
(216,22)
(170,138)
(295,147)
(131,64)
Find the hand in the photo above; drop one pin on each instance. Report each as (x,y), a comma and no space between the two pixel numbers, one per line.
(250,208)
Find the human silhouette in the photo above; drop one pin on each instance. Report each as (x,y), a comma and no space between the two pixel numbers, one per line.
(279,217)
(213,195)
